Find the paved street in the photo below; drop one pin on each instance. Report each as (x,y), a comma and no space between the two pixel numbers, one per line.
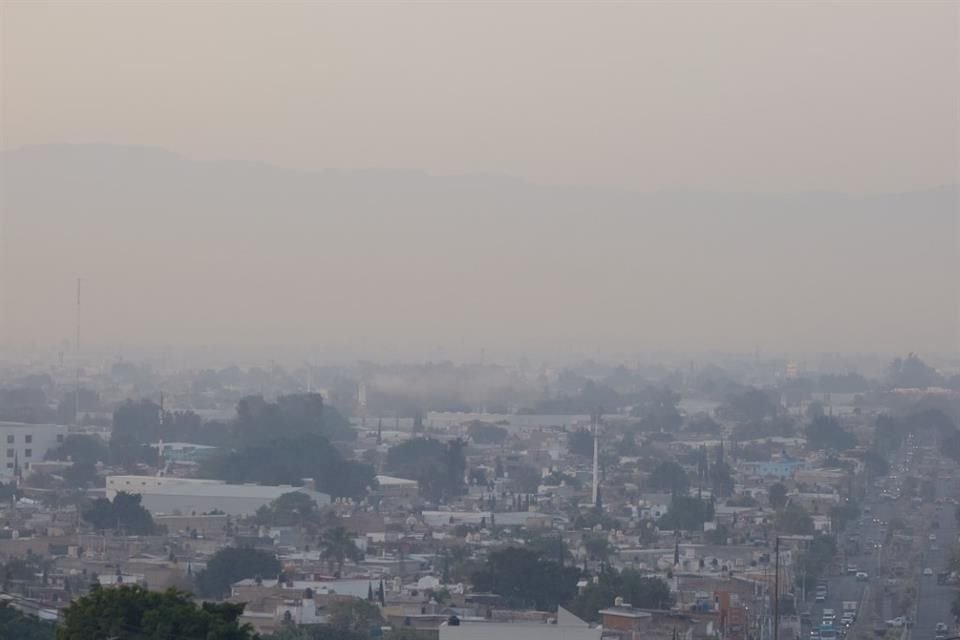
(934,600)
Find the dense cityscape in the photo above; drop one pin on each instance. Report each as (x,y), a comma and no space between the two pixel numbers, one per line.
(650,499)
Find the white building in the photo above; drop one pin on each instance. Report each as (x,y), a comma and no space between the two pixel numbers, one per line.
(192,496)
(565,626)
(25,444)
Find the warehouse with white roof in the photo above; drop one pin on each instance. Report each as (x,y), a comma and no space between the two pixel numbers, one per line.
(193,496)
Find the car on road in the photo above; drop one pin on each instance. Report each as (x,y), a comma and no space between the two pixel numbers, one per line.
(852,569)
(928,571)
(862,576)
(940,631)
(897,622)
(932,537)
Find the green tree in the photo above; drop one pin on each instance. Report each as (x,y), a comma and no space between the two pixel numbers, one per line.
(580,443)
(486,433)
(17,626)
(291,416)
(721,480)
(82,449)
(288,461)
(777,495)
(135,426)
(912,372)
(750,405)
(702,423)
(825,432)
(598,547)
(355,616)
(80,475)
(842,515)
(794,519)
(124,513)
(876,464)
(338,547)
(687,513)
(232,564)
(633,587)
(658,411)
(436,466)
(293,508)
(525,578)
(550,547)
(669,476)
(133,613)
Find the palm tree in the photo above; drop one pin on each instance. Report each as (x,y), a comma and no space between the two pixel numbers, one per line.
(338,547)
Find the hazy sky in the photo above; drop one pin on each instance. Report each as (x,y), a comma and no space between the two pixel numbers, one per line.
(851,96)
(784,97)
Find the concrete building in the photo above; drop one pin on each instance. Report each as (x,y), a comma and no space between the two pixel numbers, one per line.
(397,491)
(24,444)
(191,496)
(565,626)
(628,622)
(784,467)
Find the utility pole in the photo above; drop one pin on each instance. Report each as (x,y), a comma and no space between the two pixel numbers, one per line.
(776,589)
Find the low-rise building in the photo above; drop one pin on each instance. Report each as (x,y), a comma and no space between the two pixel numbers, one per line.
(565,626)
(23,444)
(192,496)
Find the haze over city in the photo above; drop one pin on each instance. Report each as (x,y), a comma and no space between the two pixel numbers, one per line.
(467,320)
(442,179)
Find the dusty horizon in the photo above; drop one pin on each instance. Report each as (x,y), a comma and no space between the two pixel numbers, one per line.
(568,177)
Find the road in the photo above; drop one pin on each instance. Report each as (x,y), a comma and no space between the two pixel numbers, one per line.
(933,600)
(880,554)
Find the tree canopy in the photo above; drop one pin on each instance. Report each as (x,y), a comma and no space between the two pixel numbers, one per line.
(750,405)
(825,432)
(777,495)
(438,467)
(632,586)
(669,476)
(580,443)
(486,433)
(526,578)
(794,519)
(288,461)
(124,513)
(82,449)
(17,626)
(912,372)
(293,508)
(232,564)
(133,613)
(291,416)
(687,513)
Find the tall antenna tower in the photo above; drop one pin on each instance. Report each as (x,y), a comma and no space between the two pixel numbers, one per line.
(595,419)
(76,348)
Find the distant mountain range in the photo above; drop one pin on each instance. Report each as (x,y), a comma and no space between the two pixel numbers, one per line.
(173,249)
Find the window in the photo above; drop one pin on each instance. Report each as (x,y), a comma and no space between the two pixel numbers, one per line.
(59,437)
(10,439)
(28,438)
(10,453)
(27,453)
